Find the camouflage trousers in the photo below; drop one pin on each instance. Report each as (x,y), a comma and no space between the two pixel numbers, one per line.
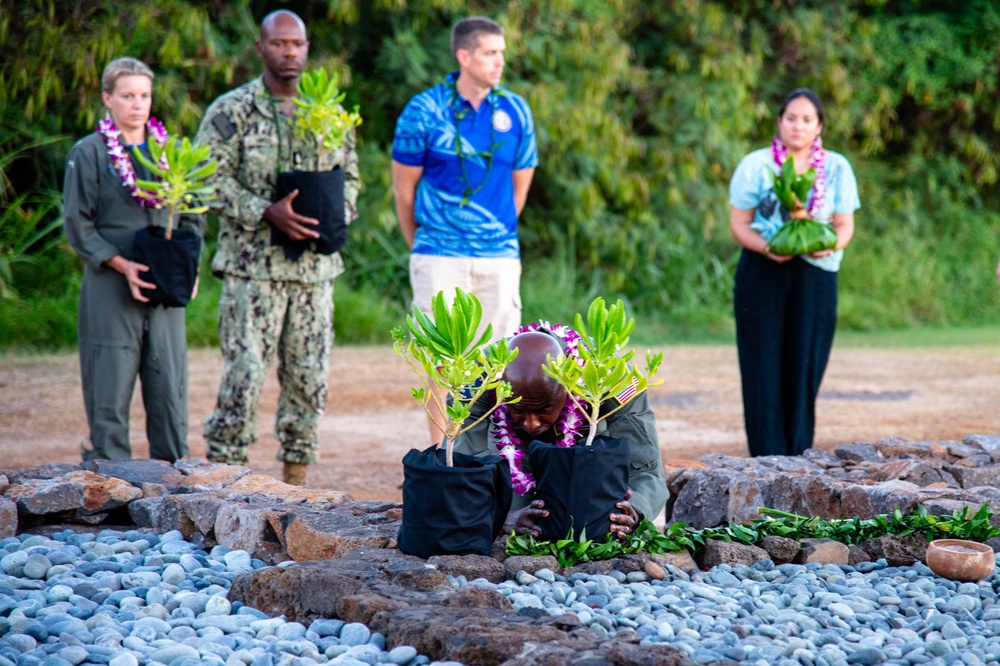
(258,321)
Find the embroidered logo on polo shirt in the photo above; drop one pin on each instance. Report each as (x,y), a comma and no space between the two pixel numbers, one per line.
(502,121)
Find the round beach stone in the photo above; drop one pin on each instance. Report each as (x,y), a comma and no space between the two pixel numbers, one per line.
(354,633)
(841,610)
(169,653)
(237,560)
(11,562)
(36,630)
(36,566)
(546,574)
(59,593)
(22,642)
(525,578)
(327,627)
(401,655)
(74,654)
(866,657)
(218,605)
(291,630)
(173,574)
(368,654)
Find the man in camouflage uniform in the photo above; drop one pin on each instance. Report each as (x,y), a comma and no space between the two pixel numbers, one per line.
(270,305)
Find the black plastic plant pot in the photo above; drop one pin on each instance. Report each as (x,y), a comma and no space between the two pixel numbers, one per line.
(321,196)
(173,264)
(456,510)
(580,485)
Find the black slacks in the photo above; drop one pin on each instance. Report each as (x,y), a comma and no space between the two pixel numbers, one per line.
(785,320)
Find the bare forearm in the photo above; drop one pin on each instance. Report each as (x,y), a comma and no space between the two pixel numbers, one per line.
(405,180)
(843,224)
(407,222)
(739,227)
(522,183)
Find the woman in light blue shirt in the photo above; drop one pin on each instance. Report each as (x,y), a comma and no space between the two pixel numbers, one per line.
(786,306)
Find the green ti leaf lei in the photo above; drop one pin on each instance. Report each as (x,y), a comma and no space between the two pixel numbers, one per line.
(677,537)
(468,190)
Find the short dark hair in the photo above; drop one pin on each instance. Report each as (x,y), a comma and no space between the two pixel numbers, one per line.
(465,33)
(809,95)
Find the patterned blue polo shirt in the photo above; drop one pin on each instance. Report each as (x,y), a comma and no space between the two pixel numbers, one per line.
(454,218)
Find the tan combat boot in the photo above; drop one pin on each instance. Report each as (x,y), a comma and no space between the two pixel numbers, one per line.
(295,474)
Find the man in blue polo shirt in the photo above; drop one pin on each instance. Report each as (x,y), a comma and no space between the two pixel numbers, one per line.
(463,157)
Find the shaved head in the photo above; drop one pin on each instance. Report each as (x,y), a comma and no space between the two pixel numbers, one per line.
(525,372)
(282,15)
(542,398)
(284,48)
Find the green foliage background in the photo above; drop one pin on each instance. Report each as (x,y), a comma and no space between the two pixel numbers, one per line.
(642,110)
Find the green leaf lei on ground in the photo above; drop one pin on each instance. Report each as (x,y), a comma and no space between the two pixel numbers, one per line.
(676,537)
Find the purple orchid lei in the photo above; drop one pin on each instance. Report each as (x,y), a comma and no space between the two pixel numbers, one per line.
(123,163)
(817,162)
(567,425)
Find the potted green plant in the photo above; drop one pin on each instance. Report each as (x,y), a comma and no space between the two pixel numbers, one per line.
(453,503)
(323,122)
(580,483)
(799,234)
(180,169)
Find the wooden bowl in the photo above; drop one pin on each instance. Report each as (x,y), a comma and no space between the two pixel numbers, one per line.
(961,560)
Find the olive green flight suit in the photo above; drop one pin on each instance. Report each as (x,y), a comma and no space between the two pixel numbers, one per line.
(119,337)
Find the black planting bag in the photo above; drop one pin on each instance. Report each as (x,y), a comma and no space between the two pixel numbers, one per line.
(321,196)
(173,264)
(580,485)
(456,510)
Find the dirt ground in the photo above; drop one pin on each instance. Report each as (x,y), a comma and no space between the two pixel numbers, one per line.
(371,420)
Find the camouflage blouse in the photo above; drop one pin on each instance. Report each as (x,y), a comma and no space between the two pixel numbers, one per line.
(253,140)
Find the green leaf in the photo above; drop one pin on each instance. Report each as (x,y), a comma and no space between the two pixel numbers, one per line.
(802,237)
(180,186)
(447,349)
(319,115)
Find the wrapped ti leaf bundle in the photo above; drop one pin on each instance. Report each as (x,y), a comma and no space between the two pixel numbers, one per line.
(799,235)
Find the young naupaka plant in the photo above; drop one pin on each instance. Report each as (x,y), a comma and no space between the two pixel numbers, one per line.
(603,369)
(180,168)
(319,114)
(444,351)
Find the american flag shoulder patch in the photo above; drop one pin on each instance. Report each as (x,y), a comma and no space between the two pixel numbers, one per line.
(626,390)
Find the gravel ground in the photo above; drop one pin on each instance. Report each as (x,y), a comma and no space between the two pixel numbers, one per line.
(788,614)
(130,598)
